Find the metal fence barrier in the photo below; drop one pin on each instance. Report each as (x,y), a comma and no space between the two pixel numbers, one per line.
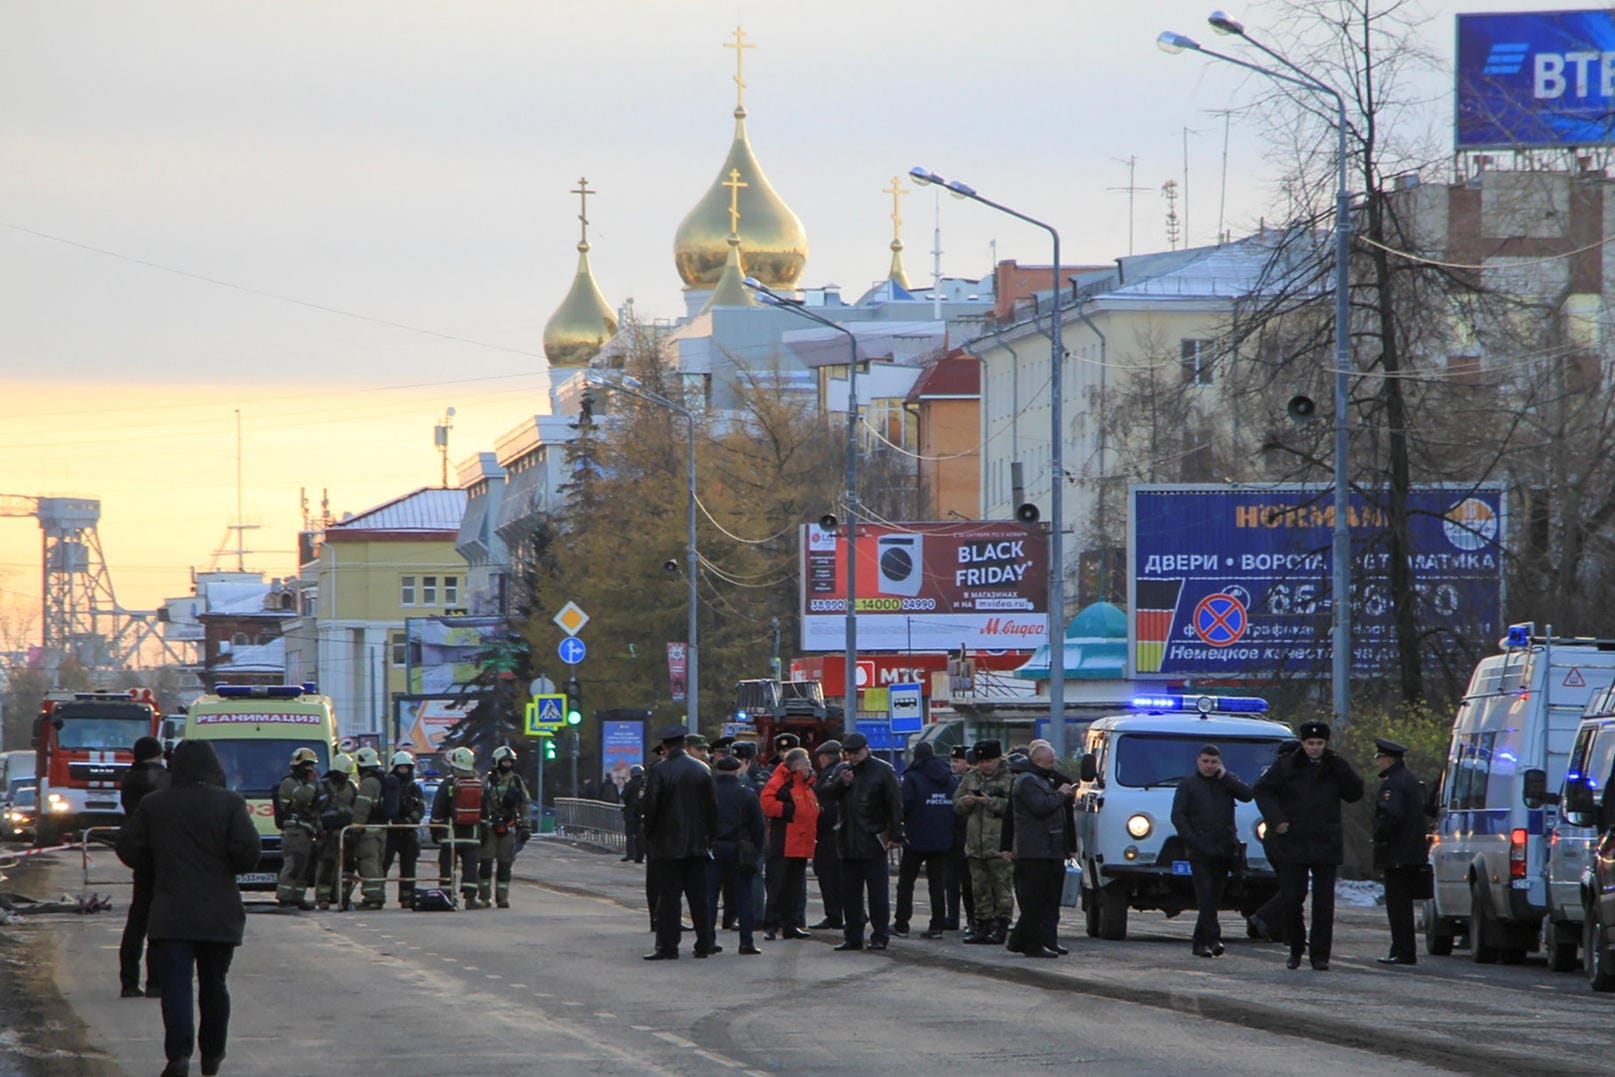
(87,862)
(591,822)
(351,878)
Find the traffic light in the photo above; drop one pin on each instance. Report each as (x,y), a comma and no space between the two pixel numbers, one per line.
(574,701)
(549,748)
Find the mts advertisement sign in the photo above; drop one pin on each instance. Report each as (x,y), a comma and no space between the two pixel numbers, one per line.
(1543,78)
(1235,581)
(928,586)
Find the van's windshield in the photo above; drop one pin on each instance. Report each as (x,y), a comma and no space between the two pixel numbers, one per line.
(1151,759)
(254,767)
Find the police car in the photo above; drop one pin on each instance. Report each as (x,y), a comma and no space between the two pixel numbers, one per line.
(1130,855)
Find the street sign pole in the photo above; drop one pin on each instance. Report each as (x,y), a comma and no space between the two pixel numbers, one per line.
(576,738)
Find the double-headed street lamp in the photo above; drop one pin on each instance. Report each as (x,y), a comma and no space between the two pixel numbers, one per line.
(1341,605)
(851,653)
(1056,628)
(692,676)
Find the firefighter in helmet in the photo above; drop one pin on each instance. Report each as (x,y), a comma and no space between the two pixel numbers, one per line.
(368,843)
(334,809)
(406,804)
(294,814)
(457,823)
(505,805)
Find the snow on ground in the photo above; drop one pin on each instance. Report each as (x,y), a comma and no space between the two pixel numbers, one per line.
(1362,893)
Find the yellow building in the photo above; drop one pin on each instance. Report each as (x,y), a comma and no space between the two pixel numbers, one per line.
(372,572)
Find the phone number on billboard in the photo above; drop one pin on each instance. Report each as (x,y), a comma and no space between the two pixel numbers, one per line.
(873,605)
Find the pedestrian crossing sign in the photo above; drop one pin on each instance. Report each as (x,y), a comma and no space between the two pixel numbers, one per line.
(545,713)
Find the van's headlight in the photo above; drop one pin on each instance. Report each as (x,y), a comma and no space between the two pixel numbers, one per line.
(1261,830)
(1139,826)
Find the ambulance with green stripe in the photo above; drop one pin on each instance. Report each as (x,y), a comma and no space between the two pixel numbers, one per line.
(254,729)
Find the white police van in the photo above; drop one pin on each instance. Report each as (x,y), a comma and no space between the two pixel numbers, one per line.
(1511,744)
(1575,835)
(1130,855)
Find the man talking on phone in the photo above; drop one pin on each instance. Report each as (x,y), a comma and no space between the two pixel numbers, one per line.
(1203,813)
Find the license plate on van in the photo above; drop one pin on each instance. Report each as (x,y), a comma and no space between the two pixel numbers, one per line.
(256,878)
(1181,867)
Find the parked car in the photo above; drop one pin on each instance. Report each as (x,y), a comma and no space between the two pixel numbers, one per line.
(18,813)
(1576,831)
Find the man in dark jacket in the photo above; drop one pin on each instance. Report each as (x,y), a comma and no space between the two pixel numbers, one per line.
(958,878)
(195,837)
(826,863)
(680,810)
(738,833)
(927,789)
(1300,797)
(633,850)
(147,776)
(871,809)
(1203,813)
(1400,846)
(1042,831)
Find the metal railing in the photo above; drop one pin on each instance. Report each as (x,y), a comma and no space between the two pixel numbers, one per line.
(352,878)
(591,822)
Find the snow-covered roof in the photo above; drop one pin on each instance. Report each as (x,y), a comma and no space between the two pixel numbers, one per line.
(254,658)
(428,509)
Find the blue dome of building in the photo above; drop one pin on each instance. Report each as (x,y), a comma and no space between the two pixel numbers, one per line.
(1095,647)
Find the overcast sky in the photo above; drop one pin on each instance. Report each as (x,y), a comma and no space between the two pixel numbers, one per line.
(409,163)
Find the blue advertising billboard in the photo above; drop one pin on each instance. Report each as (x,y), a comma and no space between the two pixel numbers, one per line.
(1529,79)
(1235,581)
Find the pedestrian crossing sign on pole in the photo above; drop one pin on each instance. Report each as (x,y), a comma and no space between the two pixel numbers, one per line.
(545,713)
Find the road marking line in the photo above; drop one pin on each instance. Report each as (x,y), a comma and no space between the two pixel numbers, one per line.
(605,1015)
(676,1041)
(519,987)
(719,1059)
(470,968)
(642,1028)
(492,976)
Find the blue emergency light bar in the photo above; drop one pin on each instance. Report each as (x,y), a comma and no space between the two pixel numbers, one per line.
(1202,704)
(262,691)
(1520,635)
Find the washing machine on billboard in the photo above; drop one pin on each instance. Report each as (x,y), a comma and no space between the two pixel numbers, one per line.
(901,557)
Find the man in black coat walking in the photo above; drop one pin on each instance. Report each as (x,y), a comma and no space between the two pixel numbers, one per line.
(1041,840)
(195,837)
(1203,813)
(147,776)
(826,862)
(680,810)
(633,849)
(738,835)
(1300,797)
(1400,846)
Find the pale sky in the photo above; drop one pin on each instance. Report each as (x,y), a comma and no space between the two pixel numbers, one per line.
(409,163)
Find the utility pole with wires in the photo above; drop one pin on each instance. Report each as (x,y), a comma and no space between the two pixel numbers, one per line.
(1130,190)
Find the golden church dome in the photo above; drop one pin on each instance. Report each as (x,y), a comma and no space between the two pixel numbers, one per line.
(583,321)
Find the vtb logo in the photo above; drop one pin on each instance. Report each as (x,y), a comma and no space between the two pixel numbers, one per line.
(1580,74)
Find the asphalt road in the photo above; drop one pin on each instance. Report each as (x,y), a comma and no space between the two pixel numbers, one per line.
(556,986)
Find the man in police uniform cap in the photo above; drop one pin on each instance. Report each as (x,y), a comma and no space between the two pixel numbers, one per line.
(1300,797)
(680,809)
(1400,848)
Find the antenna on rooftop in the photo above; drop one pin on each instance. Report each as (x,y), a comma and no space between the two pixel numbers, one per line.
(936,256)
(1169,191)
(1130,190)
(440,438)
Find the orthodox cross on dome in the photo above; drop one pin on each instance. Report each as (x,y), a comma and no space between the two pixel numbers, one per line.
(734,184)
(739,45)
(897,191)
(583,193)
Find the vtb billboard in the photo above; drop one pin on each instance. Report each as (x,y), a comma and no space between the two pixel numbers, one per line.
(928,586)
(1535,79)
(1236,581)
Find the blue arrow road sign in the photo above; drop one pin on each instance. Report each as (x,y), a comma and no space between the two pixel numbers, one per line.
(572,650)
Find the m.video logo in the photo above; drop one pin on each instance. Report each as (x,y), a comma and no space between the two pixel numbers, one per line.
(1506,58)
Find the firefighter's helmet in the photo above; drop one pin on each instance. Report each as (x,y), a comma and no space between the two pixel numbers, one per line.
(342,763)
(463,759)
(367,757)
(402,758)
(502,753)
(304,756)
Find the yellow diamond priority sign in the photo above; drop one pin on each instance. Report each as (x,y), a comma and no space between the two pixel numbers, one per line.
(571,618)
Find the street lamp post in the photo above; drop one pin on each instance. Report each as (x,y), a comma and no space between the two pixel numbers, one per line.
(1056,628)
(1340,671)
(850,657)
(692,674)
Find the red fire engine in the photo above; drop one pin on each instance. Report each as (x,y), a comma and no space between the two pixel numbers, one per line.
(84,744)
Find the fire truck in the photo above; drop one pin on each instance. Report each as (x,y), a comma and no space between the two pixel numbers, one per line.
(83,743)
(764,708)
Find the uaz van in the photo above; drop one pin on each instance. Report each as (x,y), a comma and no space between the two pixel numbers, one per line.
(1575,836)
(1130,855)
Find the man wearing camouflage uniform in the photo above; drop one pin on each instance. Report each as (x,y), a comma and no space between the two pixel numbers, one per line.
(505,825)
(369,843)
(983,799)
(298,828)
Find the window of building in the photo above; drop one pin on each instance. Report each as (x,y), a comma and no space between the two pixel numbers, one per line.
(406,591)
(451,590)
(428,590)
(240,639)
(398,643)
(1196,357)
(892,421)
